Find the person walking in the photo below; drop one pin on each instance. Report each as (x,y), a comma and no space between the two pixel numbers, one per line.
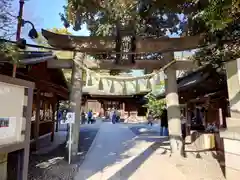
(118,114)
(183,125)
(114,117)
(60,115)
(83,118)
(150,118)
(90,116)
(164,123)
(111,112)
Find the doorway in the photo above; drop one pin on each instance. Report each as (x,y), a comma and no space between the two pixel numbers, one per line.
(111,104)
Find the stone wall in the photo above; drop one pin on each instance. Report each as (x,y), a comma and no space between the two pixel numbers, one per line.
(231,136)
(232,158)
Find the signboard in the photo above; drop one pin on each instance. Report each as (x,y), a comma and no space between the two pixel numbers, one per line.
(12,100)
(70,118)
(15,115)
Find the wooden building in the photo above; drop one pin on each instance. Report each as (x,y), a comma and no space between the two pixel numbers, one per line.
(101,101)
(50,87)
(203,93)
(207,88)
(129,106)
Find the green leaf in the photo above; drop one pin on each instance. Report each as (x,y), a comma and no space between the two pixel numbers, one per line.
(154,105)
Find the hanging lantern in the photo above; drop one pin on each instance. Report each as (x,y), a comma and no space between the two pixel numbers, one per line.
(112,87)
(124,87)
(149,85)
(100,84)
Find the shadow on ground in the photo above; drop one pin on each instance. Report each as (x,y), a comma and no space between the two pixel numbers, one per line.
(128,147)
(53,166)
(116,155)
(129,169)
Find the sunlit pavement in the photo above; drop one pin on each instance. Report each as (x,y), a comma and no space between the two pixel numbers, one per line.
(117,153)
(145,129)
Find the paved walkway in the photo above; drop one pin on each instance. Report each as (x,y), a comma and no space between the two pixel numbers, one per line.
(118,154)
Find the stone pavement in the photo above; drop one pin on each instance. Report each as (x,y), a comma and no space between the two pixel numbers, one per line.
(118,154)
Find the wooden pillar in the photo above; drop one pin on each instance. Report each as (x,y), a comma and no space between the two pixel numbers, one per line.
(188,119)
(37,119)
(27,135)
(123,109)
(57,118)
(207,103)
(76,99)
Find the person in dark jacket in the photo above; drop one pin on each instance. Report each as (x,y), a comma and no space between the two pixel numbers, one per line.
(83,118)
(164,122)
(114,117)
(90,114)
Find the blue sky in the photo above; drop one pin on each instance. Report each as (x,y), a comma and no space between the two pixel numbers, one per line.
(45,14)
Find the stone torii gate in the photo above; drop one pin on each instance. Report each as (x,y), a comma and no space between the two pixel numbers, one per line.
(107,45)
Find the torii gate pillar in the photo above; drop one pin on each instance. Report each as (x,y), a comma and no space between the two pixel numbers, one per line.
(173,108)
(76,98)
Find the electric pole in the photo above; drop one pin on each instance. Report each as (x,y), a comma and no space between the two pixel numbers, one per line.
(18,33)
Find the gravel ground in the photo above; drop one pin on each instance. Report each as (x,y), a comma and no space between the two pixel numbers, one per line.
(57,168)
